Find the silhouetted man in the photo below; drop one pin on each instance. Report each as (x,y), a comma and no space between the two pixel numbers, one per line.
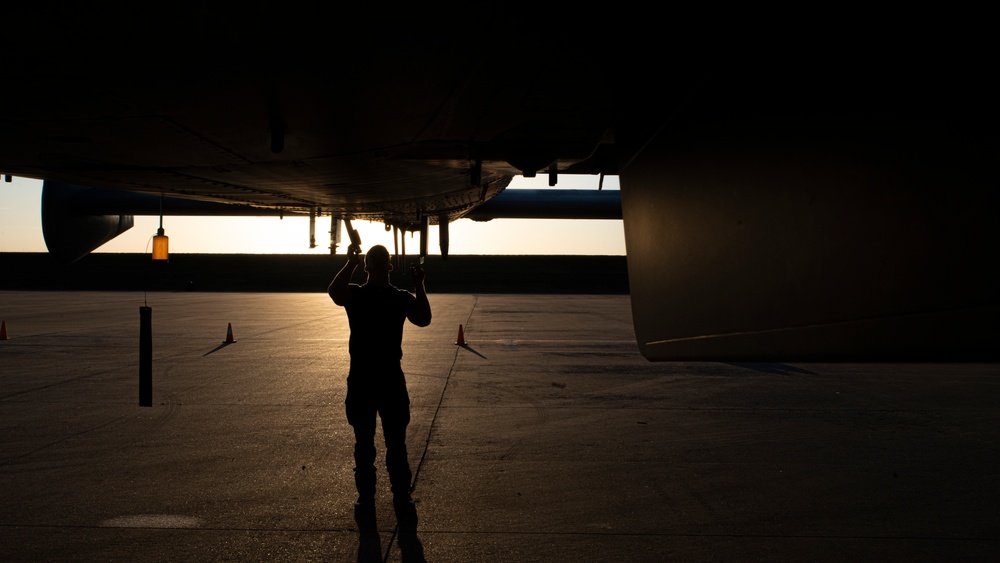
(377,311)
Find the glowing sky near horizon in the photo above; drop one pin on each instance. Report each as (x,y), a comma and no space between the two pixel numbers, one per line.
(21,230)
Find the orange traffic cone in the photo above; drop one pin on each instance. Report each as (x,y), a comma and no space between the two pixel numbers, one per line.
(461,336)
(229,334)
(3,330)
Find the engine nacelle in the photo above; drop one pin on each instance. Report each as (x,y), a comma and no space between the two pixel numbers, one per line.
(71,234)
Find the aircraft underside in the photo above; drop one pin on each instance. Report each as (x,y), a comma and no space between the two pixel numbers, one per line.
(811,200)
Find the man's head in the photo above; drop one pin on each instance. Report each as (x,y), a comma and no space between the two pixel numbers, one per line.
(378,260)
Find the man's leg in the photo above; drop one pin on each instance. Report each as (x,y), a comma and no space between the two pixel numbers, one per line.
(395,412)
(361,416)
(396,461)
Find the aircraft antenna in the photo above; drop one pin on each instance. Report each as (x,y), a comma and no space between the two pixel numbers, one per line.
(312,227)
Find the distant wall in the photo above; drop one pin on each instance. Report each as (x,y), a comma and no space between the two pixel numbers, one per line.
(309,273)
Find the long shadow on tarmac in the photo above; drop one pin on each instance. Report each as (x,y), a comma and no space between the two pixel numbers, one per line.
(369,541)
(473,350)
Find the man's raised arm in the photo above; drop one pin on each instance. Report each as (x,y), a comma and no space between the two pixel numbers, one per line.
(339,289)
(420,312)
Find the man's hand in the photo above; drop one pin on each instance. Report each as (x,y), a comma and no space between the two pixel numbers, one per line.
(418,274)
(353,254)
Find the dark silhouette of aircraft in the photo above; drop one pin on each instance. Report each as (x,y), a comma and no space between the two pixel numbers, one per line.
(820,190)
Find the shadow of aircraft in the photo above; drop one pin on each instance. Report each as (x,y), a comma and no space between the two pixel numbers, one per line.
(771,367)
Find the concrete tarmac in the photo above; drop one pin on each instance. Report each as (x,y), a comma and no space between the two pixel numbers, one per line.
(547,437)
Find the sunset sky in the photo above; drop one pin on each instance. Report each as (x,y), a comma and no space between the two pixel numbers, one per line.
(21,230)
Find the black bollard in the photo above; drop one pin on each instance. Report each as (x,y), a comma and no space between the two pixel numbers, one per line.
(145,356)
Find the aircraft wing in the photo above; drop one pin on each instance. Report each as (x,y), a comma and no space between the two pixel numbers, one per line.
(820,194)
